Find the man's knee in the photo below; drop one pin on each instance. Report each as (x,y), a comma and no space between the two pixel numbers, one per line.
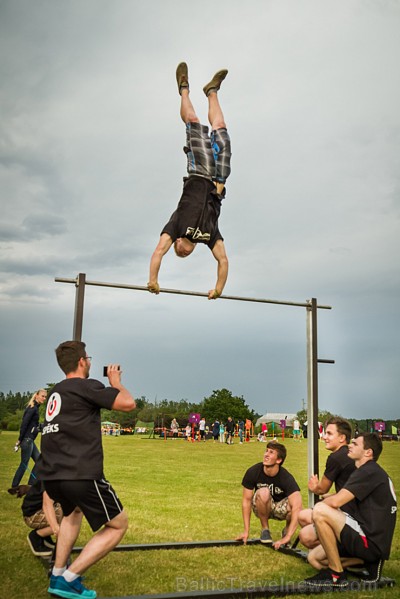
(307,536)
(119,523)
(305,517)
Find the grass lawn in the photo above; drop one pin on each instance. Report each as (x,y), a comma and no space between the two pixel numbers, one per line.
(174,491)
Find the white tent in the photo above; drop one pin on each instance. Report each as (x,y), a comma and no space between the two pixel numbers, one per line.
(275,417)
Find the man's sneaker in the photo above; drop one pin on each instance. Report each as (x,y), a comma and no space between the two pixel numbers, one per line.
(215,83)
(325,580)
(61,588)
(48,541)
(182,77)
(37,545)
(374,571)
(265,537)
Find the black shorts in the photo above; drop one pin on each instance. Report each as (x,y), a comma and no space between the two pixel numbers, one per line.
(95,498)
(354,543)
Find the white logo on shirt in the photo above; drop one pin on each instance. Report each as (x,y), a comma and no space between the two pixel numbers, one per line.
(53,406)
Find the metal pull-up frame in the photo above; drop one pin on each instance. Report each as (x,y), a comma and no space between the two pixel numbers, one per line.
(311,307)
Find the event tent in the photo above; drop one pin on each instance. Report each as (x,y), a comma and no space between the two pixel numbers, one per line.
(276,417)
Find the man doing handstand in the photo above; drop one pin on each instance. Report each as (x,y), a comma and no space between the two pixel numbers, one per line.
(208,165)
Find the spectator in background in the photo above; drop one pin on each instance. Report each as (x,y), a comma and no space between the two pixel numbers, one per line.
(221,432)
(296,430)
(230,430)
(26,441)
(202,429)
(241,430)
(215,429)
(174,428)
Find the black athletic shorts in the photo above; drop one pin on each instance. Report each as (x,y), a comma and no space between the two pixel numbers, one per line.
(354,543)
(95,498)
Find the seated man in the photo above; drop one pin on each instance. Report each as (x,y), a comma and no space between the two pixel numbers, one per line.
(366,535)
(338,468)
(208,165)
(272,492)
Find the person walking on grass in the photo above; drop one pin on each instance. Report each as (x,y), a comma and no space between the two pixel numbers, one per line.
(271,492)
(71,466)
(208,166)
(28,432)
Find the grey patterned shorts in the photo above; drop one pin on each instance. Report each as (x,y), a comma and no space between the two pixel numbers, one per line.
(279,509)
(38,520)
(208,155)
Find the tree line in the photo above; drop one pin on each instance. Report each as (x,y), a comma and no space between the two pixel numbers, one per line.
(220,404)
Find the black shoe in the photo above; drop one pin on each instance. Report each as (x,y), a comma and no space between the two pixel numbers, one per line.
(48,541)
(324,580)
(265,537)
(374,570)
(37,545)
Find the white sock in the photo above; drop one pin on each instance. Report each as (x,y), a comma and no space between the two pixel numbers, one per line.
(58,571)
(70,576)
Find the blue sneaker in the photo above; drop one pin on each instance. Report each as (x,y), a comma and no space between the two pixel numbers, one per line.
(70,590)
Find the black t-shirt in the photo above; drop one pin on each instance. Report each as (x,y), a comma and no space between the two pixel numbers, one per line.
(196,216)
(33,500)
(282,485)
(375,505)
(71,437)
(339,467)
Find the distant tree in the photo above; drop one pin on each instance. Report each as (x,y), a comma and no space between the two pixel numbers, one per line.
(222,404)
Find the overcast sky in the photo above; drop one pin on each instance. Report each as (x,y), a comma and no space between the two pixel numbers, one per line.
(91,169)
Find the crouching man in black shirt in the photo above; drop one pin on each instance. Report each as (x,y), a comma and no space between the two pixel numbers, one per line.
(271,492)
(71,466)
(365,536)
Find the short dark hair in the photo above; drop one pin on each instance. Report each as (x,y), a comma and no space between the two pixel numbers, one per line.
(343,426)
(279,448)
(68,355)
(374,442)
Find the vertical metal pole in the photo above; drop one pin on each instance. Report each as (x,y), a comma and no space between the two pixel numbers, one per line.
(79,300)
(312,393)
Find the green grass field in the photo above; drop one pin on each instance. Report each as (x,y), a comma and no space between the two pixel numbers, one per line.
(174,491)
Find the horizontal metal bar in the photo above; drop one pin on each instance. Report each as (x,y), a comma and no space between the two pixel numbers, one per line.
(282,588)
(193,293)
(177,545)
(321,361)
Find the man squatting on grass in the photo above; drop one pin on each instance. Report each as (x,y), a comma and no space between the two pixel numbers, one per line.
(364,536)
(71,466)
(208,165)
(272,492)
(338,468)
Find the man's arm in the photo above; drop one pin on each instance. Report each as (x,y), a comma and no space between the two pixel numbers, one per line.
(319,487)
(162,248)
(339,499)
(124,401)
(222,269)
(246,513)
(295,506)
(48,508)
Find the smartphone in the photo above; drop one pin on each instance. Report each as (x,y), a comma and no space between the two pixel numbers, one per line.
(105,368)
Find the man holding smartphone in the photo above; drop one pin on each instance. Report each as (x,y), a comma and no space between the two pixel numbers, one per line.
(72,465)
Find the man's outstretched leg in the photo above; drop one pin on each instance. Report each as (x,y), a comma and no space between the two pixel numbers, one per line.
(220,140)
(188,113)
